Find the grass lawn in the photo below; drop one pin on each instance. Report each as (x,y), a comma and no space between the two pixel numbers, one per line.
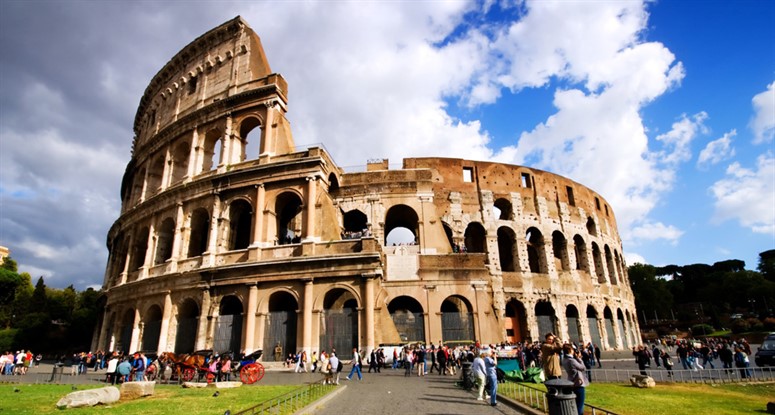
(167,399)
(681,398)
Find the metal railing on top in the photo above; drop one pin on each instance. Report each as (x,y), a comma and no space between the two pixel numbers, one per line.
(290,402)
(722,375)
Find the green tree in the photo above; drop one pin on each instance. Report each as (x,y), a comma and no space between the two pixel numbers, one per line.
(651,293)
(38,301)
(767,264)
(9,264)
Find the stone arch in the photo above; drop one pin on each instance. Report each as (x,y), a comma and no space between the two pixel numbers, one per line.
(591,226)
(597,257)
(580,248)
(574,327)
(165,234)
(139,249)
(125,333)
(180,158)
(188,319)
(515,321)
(137,186)
(503,209)
(355,224)
(333,183)
(560,249)
(339,320)
(249,141)
(594,327)
(609,261)
(200,232)
(288,210)
(547,318)
(281,323)
(400,220)
(536,251)
(408,317)
(228,327)
(620,267)
(213,150)
(240,224)
(448,232)
(622,328)
(154,175)
(151,328)
(608,318)
(507,249)
(457,320)
(475,238)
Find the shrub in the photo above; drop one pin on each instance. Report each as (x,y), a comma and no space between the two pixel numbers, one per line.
(7,337)
(740,326)
(769,324)
(702,329)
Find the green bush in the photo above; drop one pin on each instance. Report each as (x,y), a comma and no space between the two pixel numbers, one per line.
(7,339)
(740,326)
(702,329)
(754,324)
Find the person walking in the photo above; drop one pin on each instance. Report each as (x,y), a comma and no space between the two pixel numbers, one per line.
(641,358)
(336,367)
(408,362)
(490,365)
(667,361)
(597,357)
(576,371)
(480,375)
(373,361)
(421,361)
(441,357)
(550,357)
(356,365)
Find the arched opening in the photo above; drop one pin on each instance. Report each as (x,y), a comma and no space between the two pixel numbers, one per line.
(507,244)
(594,328)
(598,258)
(164,236)
(125,338)
(457,320)
(448,232)
(620,267)
(121,252)
(240,224)
(212,150)
(139,249)
(629,330)
(515,322)
(502,209)
(609,261)
(333,184)
(560,249)
(200,233)
(401,226)
(151,329)
(407,316)
(250,138)
(591,227)
(339,321)
(288,208)
(547,319)
(188,318)
(535,251)
(609,327)
(475,238)
(580,247)
(354,224)
(137,186)
(155,174)
(180,156)
(622,328)
(228,329)
(572,318)
(281,323)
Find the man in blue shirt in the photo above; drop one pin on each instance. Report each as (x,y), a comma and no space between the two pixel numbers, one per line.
(490,363)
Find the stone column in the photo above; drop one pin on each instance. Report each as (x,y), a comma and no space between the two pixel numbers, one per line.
(250,319)
(136,325)
(368,301)
(306,337)
(166,176)
(149,249)
(532,321)
(259,216)
(201,330)
(194,160)
(266,147)
(261,328)
(212,239)
(180,228)
(309,228)
(143,192)
(103,330)
(125,271)
(165,324)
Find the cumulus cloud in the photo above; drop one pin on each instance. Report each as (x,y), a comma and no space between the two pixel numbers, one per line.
(763,122)
(655,230)
(634,258)
(748,195)
(717,151)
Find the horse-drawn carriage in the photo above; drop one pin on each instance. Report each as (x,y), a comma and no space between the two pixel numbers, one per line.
(197,366)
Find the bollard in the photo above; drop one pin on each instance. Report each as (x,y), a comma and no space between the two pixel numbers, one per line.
(559,394)
(56,373)
(468,376)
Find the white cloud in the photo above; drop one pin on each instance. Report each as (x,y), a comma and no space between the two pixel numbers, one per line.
(677,140)
(717,150)
(763,122)
(656,230)
(748,195)
(634,258)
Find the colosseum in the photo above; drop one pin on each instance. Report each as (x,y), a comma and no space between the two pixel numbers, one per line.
(232,238)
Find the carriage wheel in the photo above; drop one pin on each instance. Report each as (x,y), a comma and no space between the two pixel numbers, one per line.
(251,373)
(188,374)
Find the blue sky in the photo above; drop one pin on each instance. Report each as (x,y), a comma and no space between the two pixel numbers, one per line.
(665,108)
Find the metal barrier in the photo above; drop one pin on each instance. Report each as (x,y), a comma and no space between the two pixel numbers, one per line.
(732,375)
(290,402)
(536,398)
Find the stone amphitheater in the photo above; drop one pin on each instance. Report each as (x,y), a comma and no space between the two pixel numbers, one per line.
(234,239)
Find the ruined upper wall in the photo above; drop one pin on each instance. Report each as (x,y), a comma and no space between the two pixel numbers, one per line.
(223,62)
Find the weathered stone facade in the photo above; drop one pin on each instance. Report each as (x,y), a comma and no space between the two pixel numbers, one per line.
(223,249)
